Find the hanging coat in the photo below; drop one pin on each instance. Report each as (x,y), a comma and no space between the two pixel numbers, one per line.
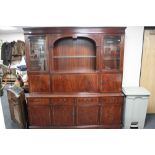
(6,53)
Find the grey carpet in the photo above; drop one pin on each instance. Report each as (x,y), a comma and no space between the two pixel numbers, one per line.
(9,124)
(150,121)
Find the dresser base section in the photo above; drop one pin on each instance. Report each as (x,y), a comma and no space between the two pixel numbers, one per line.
(75,111)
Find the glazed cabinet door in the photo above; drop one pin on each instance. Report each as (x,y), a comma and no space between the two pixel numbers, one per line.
(111,111)
(112,55)
(63,112)
(87,111)
(37,54)
(39,113)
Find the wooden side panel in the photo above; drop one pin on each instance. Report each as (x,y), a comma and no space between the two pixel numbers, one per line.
(39,83)
(63,111)
(87,111)
(111,82)
(111,111)
(147,69)
(75,83)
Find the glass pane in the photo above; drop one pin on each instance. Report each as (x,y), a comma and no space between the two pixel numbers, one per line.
(112,52)
(38,57)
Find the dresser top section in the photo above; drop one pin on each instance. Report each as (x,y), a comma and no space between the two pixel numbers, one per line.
(60,30)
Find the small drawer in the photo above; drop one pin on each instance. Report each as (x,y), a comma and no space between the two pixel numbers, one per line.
(111,99)
(38,101)
(62,100)
(87,100)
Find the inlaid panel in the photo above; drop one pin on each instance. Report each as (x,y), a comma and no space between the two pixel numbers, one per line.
(111,111)
(87,111)
(75,83)
(111,82)
(39,83)
(39,115)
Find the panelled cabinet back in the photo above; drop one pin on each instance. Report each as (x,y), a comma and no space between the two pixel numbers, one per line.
(75,77)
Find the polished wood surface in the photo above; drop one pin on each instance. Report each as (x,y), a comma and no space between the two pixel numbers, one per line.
(39,83)
(81,85)
(87,111)
(76,112)
(77,30)
(75,83)
(111,82)
(111,111)
(39,115)
(68,95)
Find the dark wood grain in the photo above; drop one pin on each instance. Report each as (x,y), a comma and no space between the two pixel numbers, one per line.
(81,85)
(87,112)
(111,111)
(39,115)
(111,82)
(77,30)
(76,112)
(39,83)
(63,111)
(67,95)
(75,83)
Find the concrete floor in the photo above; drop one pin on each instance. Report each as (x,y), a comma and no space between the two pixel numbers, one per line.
(9,124)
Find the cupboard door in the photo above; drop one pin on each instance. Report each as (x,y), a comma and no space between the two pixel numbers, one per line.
(37,54)
(87,111)
(111,82)
(75,83)
(111,111)
(39,83)
(39,112)
(63,112)
(39,115)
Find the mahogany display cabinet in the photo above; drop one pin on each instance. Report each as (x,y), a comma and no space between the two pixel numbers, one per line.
(75,77)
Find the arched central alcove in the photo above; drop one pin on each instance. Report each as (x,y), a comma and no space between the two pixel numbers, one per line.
(74,54)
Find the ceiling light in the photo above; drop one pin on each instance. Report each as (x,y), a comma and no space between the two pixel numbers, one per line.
(6,28)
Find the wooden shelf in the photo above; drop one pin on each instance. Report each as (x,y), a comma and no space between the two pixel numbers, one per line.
(111,58)
(80,56)
(76,71)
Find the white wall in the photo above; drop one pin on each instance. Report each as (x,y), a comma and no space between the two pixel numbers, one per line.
(132,55)
(11,37)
